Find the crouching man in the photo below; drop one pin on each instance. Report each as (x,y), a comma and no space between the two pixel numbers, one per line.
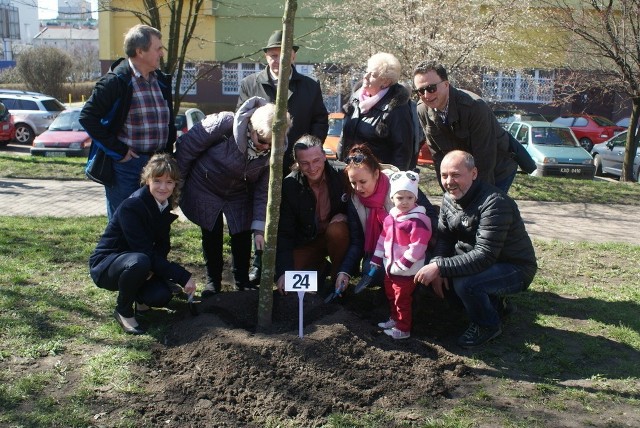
(483,248)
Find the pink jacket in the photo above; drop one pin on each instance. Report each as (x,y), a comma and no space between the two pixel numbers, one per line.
(403,242)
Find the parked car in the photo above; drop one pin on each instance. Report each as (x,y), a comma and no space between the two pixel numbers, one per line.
(507,117)
(555,150)
(424,156)
(65,137)
(588,129)
(624,122)
(330,145)
(7,129)
(185,121)
(608,156)
(32,113)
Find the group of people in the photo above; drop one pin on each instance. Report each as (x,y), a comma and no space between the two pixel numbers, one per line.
(364,216)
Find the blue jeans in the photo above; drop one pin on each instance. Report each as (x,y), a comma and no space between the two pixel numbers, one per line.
(480,293)
(506,182)
(127,181)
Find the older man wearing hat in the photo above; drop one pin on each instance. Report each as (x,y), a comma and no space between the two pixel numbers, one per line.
(305,104)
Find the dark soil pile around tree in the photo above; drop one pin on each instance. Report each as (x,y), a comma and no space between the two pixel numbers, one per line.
(214,370)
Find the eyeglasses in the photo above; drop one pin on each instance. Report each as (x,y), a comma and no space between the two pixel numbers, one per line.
(410,175)
(357,159)
(429,88)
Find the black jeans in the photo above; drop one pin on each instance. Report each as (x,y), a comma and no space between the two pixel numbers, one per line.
(212,241)
(128,275)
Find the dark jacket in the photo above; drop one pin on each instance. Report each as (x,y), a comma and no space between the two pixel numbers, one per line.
(305,105)
(106,111)
(387,128)
(138,226)
(298,224)
(472,127)
(218,177)
(482,229)
(356,217)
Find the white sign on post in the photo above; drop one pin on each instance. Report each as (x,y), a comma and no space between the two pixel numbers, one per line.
(300,281)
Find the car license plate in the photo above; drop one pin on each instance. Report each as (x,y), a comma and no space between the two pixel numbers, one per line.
(571,170)
(55,154)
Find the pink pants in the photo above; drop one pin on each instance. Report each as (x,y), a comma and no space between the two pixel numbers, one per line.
(399,291)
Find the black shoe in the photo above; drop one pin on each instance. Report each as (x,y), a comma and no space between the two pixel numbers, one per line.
(477,335)
(246,286)
(506,307)
(129,330)
(210,290)
(176,290)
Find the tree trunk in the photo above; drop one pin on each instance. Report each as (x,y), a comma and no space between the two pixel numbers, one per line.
(278,138)
(632,143)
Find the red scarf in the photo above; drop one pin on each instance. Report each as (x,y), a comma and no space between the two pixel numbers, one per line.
(377,212)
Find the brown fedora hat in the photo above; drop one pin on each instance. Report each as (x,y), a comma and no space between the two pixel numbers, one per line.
(275,41)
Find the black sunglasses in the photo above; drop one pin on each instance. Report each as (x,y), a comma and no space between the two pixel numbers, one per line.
(429,88)
(356,159)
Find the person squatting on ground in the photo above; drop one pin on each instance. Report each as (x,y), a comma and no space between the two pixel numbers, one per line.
(367,207)
(131,256)
(454,119)
(129,115)
(313,220)
(401,249)
(483,248)
(379,115)
(225,163)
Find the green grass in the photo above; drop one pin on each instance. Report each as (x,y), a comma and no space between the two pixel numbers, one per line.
(37,167)
(59,347)
(50,310)
(552,189)
(524,187)
(579,310)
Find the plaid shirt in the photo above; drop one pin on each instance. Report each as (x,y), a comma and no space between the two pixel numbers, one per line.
(146,128)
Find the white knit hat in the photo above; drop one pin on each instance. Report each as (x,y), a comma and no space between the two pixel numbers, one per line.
(404,180)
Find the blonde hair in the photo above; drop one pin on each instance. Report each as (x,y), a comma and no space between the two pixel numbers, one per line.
(159,165)
(262,120)
(386,65)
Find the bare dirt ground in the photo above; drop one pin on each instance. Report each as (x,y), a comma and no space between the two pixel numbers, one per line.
(213,370)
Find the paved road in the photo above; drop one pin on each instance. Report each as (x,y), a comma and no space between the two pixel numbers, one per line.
(544,220)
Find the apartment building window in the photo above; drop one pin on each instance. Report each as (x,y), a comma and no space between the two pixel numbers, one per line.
(187,85)
(526,86)
(232,74)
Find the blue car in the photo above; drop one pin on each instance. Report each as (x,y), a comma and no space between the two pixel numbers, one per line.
(555,150)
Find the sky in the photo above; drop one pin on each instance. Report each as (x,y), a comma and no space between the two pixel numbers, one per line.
(48,9)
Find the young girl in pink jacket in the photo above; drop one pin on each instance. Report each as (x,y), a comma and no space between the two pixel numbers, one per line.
(401,248)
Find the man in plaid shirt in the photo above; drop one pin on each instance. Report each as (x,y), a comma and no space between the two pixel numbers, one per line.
(129,115)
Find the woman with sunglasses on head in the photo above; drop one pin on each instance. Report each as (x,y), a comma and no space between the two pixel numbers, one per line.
(379,115)
(368,206)
(225,162)
(131,257)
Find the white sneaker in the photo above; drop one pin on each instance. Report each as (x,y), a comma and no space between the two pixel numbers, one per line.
(397,334)
(387,324)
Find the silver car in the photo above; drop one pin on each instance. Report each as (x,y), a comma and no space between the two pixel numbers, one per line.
(32,113)
(608,156)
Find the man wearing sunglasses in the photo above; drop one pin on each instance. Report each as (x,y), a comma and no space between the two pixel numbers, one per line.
(454,119)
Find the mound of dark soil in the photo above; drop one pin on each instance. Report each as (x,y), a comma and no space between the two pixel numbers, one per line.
(214,370)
